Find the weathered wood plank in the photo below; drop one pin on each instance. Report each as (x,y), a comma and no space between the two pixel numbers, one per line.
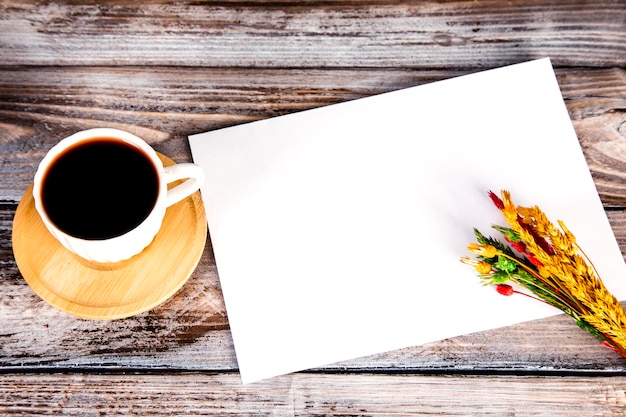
(190,332)
(164,70)
(310,395)
(39,106)
(437,34)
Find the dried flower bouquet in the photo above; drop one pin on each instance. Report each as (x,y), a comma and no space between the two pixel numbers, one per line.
(547,261)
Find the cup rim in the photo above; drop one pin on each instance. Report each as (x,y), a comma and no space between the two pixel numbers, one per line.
(85,135)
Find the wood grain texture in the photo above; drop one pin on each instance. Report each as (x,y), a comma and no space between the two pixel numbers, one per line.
(190,332)
(39,106)
(311,395)
(166,69)
(458,34)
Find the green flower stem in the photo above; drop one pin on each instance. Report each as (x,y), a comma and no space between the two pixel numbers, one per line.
(550,289)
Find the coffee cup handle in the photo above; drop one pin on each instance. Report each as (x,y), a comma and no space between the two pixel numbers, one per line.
(195,178)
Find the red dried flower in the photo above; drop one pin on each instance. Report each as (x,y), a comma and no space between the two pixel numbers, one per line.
(518,246)
(496,200)
(534,260)
(505,289)
(543,243)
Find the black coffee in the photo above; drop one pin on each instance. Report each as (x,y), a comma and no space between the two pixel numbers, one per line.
(100,189)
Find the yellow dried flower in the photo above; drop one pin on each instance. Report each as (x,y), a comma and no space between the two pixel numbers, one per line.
(481,267)
(487,251)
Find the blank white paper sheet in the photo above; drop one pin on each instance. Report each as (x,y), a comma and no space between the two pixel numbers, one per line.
(337,231)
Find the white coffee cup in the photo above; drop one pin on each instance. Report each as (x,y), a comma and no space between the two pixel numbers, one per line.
(60,208)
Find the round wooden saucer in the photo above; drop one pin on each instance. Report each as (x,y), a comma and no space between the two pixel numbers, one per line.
(110,290)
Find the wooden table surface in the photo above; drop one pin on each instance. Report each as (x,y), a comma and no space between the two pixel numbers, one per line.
(167,69)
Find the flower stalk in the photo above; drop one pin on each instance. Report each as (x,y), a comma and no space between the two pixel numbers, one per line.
(547,261)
